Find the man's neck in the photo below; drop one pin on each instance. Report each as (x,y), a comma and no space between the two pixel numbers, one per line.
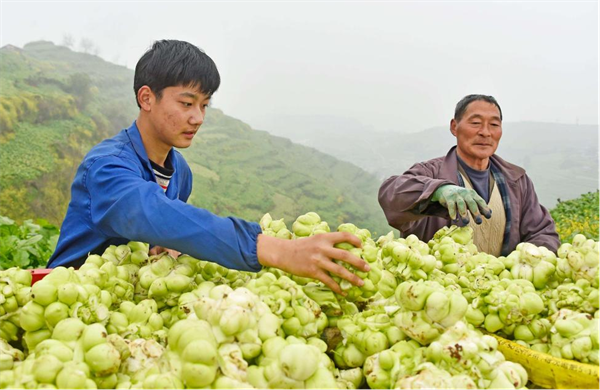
(156,150)
(475,163)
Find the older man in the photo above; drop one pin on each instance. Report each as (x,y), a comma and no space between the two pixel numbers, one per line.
(470,179)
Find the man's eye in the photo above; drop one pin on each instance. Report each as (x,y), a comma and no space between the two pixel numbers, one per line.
(475,123)
(186,104)
(495,124)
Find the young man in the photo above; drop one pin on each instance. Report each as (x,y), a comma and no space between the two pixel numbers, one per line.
(134,186)
(471,178)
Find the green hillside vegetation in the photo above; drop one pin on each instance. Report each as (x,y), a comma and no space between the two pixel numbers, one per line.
(577,216)
(57,104)
(259,173)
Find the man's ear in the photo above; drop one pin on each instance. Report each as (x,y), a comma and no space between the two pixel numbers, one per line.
(145,98)
(453,126)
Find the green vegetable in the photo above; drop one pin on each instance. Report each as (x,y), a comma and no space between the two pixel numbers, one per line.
(28,245)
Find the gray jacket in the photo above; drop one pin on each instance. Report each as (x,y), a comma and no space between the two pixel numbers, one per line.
(405,202)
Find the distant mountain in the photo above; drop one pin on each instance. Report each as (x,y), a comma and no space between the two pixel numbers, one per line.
(561,159)
(57,104)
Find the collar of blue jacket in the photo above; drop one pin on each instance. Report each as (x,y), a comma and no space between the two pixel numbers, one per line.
(115,199)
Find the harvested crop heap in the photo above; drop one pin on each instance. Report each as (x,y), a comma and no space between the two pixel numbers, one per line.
(127,320)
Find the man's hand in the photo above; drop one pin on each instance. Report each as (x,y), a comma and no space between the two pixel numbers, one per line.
(453,197)
(313,257)
(159,249)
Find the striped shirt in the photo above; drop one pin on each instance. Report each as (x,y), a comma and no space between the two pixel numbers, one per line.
(163,174)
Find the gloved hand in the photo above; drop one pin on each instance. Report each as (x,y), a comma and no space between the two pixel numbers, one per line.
(451,197)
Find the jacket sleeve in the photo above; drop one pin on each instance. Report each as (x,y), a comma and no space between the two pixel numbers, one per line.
(122,204)
(406,198)
(537,226)
(187,183)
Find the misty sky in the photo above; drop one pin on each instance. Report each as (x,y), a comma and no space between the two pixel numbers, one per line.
(398,66)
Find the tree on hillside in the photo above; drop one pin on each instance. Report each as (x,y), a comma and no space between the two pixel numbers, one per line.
(86,45)
(68,41)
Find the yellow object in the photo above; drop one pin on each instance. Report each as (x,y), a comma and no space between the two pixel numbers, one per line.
(548,371)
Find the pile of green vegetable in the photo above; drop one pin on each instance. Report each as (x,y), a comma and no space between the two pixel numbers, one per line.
(129,320)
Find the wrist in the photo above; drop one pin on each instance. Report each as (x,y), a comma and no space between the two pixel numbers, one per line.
(266,250)
(437,194)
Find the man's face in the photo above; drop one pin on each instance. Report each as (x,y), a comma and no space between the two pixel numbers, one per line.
(177,115)
(477,132)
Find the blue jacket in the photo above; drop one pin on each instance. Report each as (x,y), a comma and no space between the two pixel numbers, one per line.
(115,199)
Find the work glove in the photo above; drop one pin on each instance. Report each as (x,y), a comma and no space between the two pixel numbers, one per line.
(453,197)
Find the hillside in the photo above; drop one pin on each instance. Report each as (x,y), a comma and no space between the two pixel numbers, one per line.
(577,216)
(56,104)
(561,159)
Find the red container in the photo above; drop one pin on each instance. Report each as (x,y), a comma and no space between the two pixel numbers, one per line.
(38,274)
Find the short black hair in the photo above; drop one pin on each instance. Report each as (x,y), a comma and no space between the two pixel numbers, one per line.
(171,63)
(461,106)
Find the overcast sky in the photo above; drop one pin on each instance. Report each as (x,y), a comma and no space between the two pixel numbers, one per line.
(398,66)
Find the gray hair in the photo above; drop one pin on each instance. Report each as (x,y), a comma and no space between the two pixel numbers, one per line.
(461,106)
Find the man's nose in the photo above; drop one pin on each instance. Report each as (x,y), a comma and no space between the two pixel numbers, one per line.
(485,129)
(197,117)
